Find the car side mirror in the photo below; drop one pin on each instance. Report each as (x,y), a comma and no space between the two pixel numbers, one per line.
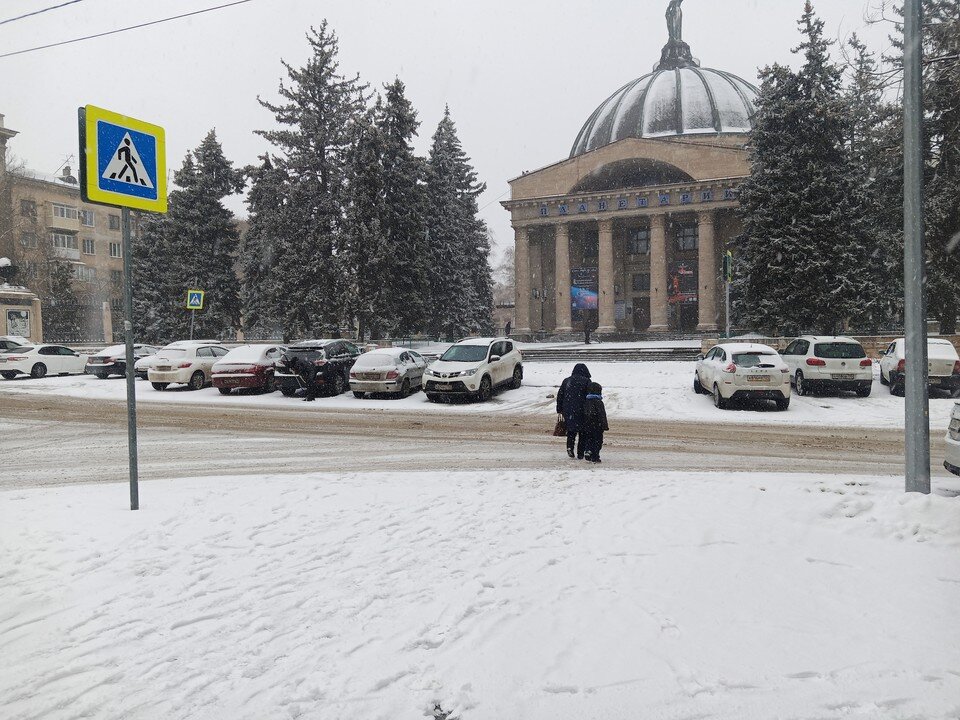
(701,356)
(494,358)
(882,353)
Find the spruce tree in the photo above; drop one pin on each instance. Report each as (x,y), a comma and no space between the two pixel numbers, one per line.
(805,243)
(459,267)
(318,109)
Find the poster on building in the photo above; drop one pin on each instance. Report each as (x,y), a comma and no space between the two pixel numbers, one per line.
(18,323)
(584,288)
(683,283)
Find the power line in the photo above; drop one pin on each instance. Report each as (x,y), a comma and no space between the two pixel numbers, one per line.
(37,12)
(120,30)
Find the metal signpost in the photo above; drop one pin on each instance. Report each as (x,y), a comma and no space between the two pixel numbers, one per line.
(194,303)
(917,406)
(123,164)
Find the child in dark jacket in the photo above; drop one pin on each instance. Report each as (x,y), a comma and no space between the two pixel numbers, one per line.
(594,423)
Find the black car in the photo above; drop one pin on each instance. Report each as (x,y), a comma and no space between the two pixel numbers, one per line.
(328,361)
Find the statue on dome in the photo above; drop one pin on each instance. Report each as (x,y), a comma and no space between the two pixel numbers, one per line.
(675,21)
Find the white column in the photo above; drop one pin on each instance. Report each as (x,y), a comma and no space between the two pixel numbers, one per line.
(521,259)
(562,280)
(608,323)
(707,273)
(658,274)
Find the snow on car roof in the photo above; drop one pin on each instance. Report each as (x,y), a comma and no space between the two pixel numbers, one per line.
(479,341)
(391,351)
(247,353)
(746,347)
(111,349)
(829,338)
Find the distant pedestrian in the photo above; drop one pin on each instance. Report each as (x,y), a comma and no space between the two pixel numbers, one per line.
(507,328)
(570,400)
(594,423)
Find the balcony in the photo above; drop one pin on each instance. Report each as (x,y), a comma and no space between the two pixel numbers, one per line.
(64,223)
(66,253)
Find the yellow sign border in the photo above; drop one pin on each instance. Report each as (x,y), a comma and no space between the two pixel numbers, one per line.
(93,114)
(202,299)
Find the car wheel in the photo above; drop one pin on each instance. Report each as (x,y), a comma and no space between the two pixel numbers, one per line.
(718,401)
(432,398)
(486,389)
(8,374)
(883,380)
(799,384)
(864,391)
(359,395)
(896,385)
(405,389)
(197,380)
(38,371)
(287,391)
(697,387)
(224,391)
(338,385)
(517,377)
(102,375)
(783,404)
(159,386)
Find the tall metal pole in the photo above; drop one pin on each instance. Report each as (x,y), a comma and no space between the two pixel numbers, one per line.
(131,377)
(916,406)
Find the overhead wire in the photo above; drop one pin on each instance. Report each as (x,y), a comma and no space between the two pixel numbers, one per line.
(37,12)
(123,29)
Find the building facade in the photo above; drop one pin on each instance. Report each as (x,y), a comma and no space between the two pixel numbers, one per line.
(627,234)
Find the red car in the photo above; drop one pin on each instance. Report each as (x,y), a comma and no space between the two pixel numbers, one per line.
(247,366)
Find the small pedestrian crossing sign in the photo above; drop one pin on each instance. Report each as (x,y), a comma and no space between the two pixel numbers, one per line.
(195,299)
(123,160)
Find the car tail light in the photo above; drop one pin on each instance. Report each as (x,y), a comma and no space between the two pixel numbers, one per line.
(16,357)
(393,375)
(731,368)
(816,362)
(956,368)
(353,375)
(867,362)
(185,365)
(901,365)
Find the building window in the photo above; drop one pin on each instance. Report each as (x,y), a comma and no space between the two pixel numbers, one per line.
(28,208)
(85,273)
(116,250)
(114,222)
(62,240)
(89,246)
(116,304)
(639,242)
(28,239)
(687,238)
(116,276)
(590,249)
(87,218)
(66,212)
(641,282)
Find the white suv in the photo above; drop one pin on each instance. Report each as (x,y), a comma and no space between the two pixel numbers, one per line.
(474,367)
(835,362)
(943,366)
(952,459)
(191,365)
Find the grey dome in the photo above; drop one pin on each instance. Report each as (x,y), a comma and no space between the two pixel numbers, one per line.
(671,102)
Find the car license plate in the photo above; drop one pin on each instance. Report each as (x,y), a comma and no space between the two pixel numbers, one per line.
(370,376)
(758,378)
(444,387)
(842,376)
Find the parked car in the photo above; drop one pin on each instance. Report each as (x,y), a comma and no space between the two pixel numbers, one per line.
(113,360)
(331,358)
(835,362)
(247,366)
(742,371)
(141,366)
(474,367)
(191,365)
(38,361)
(397,371)
(9,342)
(952,457)
(943,366)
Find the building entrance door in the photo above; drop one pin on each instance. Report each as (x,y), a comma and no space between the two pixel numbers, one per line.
(689,313)
(641,314)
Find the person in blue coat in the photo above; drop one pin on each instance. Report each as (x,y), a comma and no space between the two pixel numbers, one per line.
(570,400)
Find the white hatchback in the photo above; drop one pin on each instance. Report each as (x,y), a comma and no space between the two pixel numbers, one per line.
(742,371)
(835,362)
(952,457)
(943,366)
(191,365)
(38,361)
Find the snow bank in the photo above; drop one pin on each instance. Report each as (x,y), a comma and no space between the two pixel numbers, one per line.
(583,593)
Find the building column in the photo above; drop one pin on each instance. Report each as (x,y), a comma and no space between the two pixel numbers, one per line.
(608,318)
(521,264)
(659,321)
(707,273)
(562,281)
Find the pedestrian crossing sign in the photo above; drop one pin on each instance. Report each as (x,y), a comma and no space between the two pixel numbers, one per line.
(122,161)
(195,299)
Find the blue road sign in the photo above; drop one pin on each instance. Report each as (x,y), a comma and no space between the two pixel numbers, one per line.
(195,299)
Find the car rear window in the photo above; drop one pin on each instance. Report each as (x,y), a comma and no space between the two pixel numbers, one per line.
(753,359)
(839,351)
(170,353)
(375,360)
(465,353)
(17,350)
(305,350)
(245,353)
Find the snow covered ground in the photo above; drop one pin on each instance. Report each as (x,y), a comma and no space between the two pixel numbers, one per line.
(644,390)
(582,593)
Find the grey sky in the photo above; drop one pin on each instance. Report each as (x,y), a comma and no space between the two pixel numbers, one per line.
(520,76)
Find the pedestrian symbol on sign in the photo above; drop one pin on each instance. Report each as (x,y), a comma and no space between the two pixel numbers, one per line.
(194,299)
(126,165)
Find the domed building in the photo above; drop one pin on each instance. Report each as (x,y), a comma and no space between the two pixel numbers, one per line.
(628,232)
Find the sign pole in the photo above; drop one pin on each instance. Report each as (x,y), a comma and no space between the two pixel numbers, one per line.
(131,375)
(193,314)
(917,405)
